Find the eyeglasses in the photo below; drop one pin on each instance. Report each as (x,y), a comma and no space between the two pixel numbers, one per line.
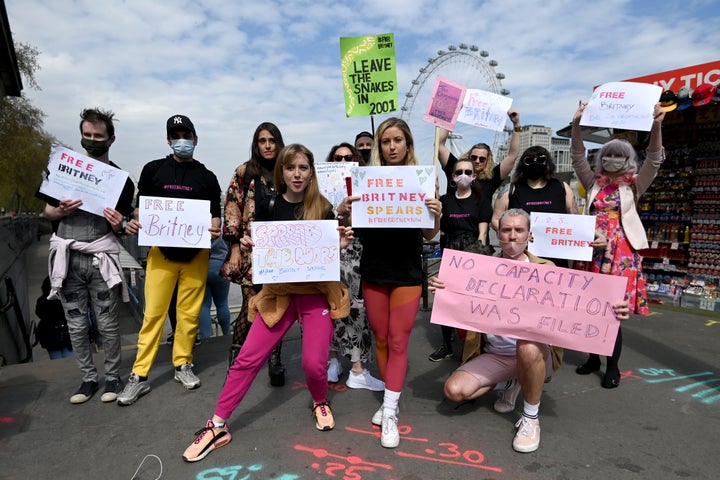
(340,158)
(477,158)
(541,159)
(466,172)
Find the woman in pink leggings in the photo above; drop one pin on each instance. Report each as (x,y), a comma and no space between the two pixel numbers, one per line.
(392,277)
(314,305)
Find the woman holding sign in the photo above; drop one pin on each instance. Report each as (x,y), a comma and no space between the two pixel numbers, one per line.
(314,304)
(613,190)
(465,220)
(392,277)
(252,181)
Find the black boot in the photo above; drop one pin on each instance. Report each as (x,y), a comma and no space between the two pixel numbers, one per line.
(275,367)
(591,365)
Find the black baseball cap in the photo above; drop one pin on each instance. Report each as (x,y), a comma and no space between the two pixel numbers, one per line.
(179,121)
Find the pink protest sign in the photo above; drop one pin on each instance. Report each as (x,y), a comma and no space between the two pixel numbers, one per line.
(445,103)
(553,305)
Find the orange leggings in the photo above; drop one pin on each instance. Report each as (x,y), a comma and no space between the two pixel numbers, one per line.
(391,313)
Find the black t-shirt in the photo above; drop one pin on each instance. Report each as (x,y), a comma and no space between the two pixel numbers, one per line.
(168,178)
(461,216)
(391,256)
(487,186)
(275,208)
(548,199)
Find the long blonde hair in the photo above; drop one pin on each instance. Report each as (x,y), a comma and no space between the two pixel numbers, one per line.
(315,205)
(376,158)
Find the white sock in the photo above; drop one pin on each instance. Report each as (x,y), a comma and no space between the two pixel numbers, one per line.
(218,424)
(530,410)
(390,402)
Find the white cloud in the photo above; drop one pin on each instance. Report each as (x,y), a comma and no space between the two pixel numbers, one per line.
(231,65)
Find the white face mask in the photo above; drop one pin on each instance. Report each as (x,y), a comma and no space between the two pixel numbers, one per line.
(613,164)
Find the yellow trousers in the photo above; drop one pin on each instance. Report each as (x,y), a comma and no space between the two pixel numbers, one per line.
(161,275)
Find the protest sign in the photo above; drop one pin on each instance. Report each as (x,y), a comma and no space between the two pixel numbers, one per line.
(445,102)
(299,251)
(562,235)
(627,105)
(393,196)
(553,305)
(72,175)
(485,109)
(331,180)
(369,74)
(174,222)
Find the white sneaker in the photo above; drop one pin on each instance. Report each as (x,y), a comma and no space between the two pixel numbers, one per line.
(334,370)
(505,402)
(364,380)
(377,417)
(527,438)
(390,438)
(187,377)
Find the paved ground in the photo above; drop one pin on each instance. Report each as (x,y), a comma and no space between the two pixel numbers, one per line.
(662,422)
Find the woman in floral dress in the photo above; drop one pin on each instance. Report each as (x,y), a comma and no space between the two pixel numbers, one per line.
(613,191)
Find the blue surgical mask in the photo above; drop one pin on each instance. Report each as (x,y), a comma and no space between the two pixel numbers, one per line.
(182,147)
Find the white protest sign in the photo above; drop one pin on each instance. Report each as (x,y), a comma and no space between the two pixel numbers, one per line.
(562,235)
(174,222)
(76,176)
(626,105)
(331,178)
(393,196)
(485,109)
(295,251)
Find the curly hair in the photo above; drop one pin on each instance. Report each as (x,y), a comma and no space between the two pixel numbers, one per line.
(620,147)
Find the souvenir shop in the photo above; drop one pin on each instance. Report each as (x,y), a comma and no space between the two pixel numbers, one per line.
(681,210)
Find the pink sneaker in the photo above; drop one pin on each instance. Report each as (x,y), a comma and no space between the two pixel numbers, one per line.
(207,439)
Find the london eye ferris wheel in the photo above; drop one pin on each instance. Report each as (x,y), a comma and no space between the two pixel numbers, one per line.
(468,66)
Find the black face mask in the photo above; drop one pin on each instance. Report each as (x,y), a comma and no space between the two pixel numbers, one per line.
(534,171)
(365,154)
(95,148)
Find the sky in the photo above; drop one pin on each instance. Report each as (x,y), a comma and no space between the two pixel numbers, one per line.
(230,65)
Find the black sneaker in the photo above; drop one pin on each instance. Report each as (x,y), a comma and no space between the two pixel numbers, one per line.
(113,388)
(85,392)
(441,353)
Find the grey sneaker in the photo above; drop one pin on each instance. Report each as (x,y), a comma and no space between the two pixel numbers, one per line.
(112,389)
(186,376)
(133,390)
(505,402)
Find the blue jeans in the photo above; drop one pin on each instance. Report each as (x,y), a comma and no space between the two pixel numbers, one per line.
(217,291)
(64,353)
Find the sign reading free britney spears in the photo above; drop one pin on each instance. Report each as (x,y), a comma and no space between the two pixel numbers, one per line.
(553,305)
(393,196)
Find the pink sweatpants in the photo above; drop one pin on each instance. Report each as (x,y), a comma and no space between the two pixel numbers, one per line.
(313,313)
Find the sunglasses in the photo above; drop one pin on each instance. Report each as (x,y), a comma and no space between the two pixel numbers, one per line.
(541,159)
(461,172)
(477,158)
(340,158)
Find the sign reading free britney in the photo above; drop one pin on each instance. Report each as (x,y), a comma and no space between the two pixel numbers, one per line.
(393,196)
(553,305)
(79,177)
(174,222)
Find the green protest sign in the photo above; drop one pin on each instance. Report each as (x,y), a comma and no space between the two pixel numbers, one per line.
(369,74)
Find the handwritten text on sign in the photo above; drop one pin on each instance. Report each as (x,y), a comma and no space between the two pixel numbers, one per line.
(299,251)
(331,180)
(75,176)
(627,105)
(393,196)
(562,235)
(445,102)
(174,222)
(485,109)
(369,74)
(553,305)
